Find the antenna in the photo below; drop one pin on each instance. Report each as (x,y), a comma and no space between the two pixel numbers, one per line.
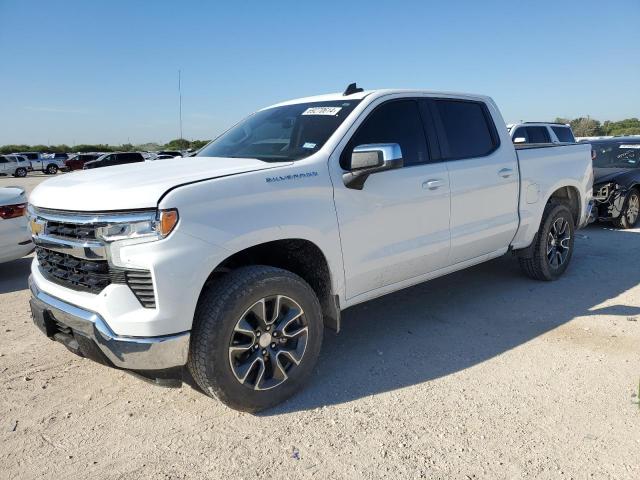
(351,89)
(180,100)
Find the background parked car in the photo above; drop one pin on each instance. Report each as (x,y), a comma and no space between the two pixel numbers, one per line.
(77,162)
(15,239)
(13,165)
(616,186)
(42,162)
(171,153)
(538,132)
(118,158)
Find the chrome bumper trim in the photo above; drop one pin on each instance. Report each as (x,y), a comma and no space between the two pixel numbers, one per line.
(132,353)
(86,250)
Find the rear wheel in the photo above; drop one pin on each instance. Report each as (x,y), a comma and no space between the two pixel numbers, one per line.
(630,212)
(256,337)
(20,172)
(550,254)
(51,169)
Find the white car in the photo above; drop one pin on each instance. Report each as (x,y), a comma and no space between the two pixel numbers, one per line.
(540,132)
(15,239)
(233,263)
(15,165)
(44,163)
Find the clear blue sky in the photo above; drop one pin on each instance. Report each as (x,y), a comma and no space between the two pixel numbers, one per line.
(89,71)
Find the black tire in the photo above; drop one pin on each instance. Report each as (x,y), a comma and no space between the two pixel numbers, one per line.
(629,218)
(535,261)
(51,169)
(20,172)
(218,315)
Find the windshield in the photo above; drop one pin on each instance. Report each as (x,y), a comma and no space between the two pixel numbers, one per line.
(616,155)
(278,134)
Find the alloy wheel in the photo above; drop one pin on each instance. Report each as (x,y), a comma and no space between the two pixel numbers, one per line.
(268,342)
(558,242)
(633,208)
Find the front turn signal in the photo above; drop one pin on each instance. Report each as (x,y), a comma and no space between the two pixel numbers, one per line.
(167,221)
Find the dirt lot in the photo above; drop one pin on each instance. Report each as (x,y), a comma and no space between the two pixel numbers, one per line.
(481,374)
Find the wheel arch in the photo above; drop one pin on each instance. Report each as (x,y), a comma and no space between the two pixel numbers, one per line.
(569,195)
(300,256)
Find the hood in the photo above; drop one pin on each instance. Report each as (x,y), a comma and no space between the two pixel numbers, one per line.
(12,195)
(135,185)
(622,176)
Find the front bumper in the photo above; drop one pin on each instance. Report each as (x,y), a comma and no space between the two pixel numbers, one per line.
(85,332)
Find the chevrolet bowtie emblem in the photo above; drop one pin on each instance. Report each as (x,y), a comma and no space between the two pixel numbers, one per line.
(36,227)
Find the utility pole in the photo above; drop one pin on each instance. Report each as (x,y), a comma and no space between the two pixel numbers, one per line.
(180,100)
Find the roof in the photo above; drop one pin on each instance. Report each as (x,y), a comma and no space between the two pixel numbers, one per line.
(333,97)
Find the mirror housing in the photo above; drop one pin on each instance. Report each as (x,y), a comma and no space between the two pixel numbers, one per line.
(371,158)
(519,140)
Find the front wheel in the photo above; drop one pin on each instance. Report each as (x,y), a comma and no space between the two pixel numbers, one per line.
(629,215)
(20,172)
(550,254)
(256,337)
(51,169)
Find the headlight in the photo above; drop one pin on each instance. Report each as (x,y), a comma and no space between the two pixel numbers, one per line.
(146,226)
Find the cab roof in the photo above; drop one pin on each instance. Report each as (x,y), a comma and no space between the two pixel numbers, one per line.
(333,97)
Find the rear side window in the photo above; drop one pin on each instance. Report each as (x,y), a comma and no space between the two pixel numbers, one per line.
(4,160)
(520,133)
(538,135)
(397,121)
(467,129)
(564,134)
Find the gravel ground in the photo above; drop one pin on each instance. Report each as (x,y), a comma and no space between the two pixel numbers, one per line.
(480,374)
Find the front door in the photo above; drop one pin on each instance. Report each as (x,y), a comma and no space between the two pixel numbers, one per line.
(397,226)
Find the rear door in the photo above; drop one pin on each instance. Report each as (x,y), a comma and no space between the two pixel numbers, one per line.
(483,176)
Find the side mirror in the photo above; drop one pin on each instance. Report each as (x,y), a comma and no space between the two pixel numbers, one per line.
(371,158)
(519,140)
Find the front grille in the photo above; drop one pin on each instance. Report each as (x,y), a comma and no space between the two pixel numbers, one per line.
(94,275)
(72,272)
(71,230)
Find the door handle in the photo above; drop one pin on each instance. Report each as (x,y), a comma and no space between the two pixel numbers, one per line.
(505,172)
(432,184)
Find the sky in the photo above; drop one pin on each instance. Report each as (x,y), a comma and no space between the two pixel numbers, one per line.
(106,71)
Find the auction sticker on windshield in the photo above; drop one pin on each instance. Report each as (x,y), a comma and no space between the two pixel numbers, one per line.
(322,111)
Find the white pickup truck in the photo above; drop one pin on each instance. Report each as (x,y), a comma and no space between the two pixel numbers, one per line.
(231,262)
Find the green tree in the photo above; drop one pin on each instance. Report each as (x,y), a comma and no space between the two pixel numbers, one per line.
(586,127)
(177,144)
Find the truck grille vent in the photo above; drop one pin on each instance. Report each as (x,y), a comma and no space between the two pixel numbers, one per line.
(141,285)
(94,275)
(71,230)
(72,272)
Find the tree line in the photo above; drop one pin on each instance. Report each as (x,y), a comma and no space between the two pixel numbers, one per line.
(590,127)
(177,144)
(582,127)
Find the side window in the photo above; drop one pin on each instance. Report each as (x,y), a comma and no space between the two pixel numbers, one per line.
(538,135)
(466,129)
(397,121)
(520,133)
(564,134)
(4,160)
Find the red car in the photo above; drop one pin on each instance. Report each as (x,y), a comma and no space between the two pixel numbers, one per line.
(77,162)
